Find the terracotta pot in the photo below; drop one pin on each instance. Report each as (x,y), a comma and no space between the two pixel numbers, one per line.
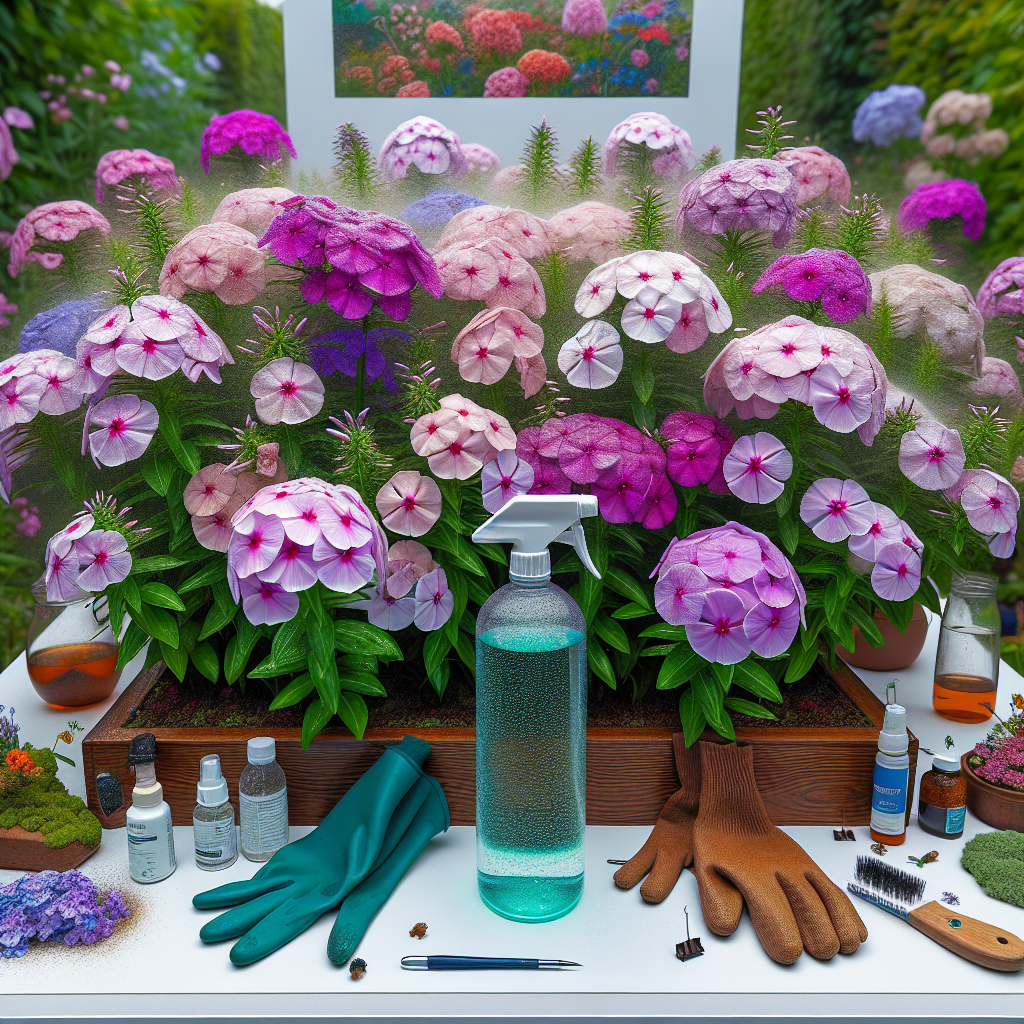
(996,806)
(900,649)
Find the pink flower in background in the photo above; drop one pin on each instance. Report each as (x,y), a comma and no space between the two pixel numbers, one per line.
(584,18)
(209,490)
(592,358)
(267,603)
(1002,293)
(998,380)
(434,431)
(479,158)
(932,456)
(252,208)
(423,143)
(655,131)
(741,195)
(940,200)
(120,164)
(408,561)
(434,602)
(62,221)
(18,118)
(831,276)
(103,559)
(639,58)
(409,503)
(127,425)
(254,133)
(719,636)
(533,373)
(8,154)
(506,82)
(121,123)
(589,231)
(503,478)
(6,309)
(490,271)
(679,594)
(818,175)
(757,468)
(522,232)
(897,572)
(990,501)
(834,509)
(287,392)
(462,458)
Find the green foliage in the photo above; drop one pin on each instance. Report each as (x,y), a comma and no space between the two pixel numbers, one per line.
(585,167)
(650,221)
(712,158)
(770,137)
(355,168)
(539,160)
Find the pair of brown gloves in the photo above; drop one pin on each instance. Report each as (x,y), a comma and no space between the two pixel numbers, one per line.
(717,823)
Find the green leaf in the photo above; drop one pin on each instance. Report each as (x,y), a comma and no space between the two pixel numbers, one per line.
(363,682)
(204,657)
(691,716)
(159,472)
(643,380)
(656,651)
(460,593)
(61,757)
(899,613)
(159,624)
(439,677)
(315,718)
(600,663)
(748,707)
(611,632)
(313,601)
(435,650)
(353,712)
(679,667)
(631,611)
(789,533)
(297,690)
(115,604)
(268,668)
(289,641)
(356,637)
(239,649)
(176,659)
(467,653)
(724,674)
(754,678)
(866,624)
(157,563)
(132,594)
(222,613)
(709,693)
(215,572)
(459,550)
(184,451)
(663,631)
(162,596)
(800,663)
(624,584)
(134,639)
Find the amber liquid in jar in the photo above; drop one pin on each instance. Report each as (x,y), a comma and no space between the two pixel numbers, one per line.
(74,675)
(961,697)
(942,807)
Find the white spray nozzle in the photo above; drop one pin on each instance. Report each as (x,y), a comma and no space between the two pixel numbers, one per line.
(530,522)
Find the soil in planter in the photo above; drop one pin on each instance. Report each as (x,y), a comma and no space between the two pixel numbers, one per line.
(813,702)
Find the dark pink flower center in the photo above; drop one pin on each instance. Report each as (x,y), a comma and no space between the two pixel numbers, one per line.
(837,507)
(722,627)
(117,427)
(995,503)
(288,388)
(588,353)
(101,558)
(844,396)
(409,502)
(649,314)
(936,454)
(754,466)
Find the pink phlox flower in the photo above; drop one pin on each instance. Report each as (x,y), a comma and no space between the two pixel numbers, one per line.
(584,18)
(788,350)
(679,594)
(468,271)
(162,318)
(119,164)
(598,289)
(146,357)
(64,382)
(434,431)
(1003,545)
(932,456)
(221,258)
(990,501)
(691,331)
(254,133)
(213,532)
(730,557)
(254,549)
(209,490)
(940,200)
(409,503)
(885,529)
(1002,292)
(62,221)
(18,118)
(267,604)
(293,568)
(386,612)
(897,572)
(470,414)
(503,478)
(647,269)
(103,559)
(718,636)
(817,174)
(343,570)
(589,231)
(622,488)
(287,391)
(462,458)
(841,403)
(434,601)
(592,358)
(61,574)
(770,630)
(658,506)
(127,424)
(656,132)
(424,143)
(757,468)
(523,232)
(252,208)
(408,561)
(650,316)
(832,276)
(834,509)
(998,380)
(480,158)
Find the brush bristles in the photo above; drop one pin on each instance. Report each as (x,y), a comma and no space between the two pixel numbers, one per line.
(887,880)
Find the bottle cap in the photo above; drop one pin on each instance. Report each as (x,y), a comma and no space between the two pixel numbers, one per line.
(142,749)
(212,789)
(893,737)
(261,750)
(945,764)
(148,796)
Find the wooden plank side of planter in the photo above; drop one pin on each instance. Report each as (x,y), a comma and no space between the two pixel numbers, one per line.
(27,851)
(807,776)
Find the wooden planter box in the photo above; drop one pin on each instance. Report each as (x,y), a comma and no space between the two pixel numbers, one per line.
(807,776)
(27,851)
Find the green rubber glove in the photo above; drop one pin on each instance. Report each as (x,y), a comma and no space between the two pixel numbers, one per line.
(314,874)
(360,906)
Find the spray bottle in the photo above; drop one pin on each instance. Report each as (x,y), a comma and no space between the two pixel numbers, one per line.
(150,836)
(531,716)
(891,779)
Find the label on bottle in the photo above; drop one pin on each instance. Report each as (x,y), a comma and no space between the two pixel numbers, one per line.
(151,847)
(215,842)
(264,821)
(943,820)
(889,800)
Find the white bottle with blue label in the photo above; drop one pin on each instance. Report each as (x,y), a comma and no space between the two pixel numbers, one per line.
(892,774)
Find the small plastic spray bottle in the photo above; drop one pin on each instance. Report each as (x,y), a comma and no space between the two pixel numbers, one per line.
(213,820)
(889,788)
(150,835)
(531,716)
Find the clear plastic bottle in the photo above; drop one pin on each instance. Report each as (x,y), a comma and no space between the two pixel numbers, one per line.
(262,801)
(531,716)
(213,820)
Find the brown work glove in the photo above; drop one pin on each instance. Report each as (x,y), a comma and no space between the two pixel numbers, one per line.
(740,856)
(669,848)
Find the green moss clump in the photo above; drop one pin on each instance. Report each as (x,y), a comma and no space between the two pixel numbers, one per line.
(996,859)
(41,803)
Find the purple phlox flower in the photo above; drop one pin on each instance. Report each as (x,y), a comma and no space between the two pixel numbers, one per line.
(932,455)
(386,612)
(622,488)
(434,601)
(990,501)
(940,200)
(127,425)
(61,574)
(889,114)
(585,452)
(254,133)
(841,403)
(255,543)
(730,557)
(757,468)
(293,568)
(770,630)
(834,509)
(658,507)
(103,559)
(697,447)
(1002,293)
(679,594)
(1003,545)
(897,572)
(339,351)
(718,636)
(267,603)
(423,143)
(830,275)
(885,528)
(504,477)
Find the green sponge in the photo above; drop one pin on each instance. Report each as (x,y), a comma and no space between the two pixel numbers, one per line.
(996,859)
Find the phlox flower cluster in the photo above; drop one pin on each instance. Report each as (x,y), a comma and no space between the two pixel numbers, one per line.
(697,445)
(998,381)
(589,231)
(460,437)
(352,258)
(120,164)
(671,144)
(741,195)
(819,175)
(435,209)
(506,82)
(62,221)
(523,232)
(7,309)
(670,298)
(957,109)
(829,276)
(1002,293)
(584,18)
(254,133)
(734,591)
(1000,760)
(543,68)
(252,208)
(491,271)
(43,381)
(423,143)
(56,906)
(485,348)
(940,200)
(495,31)
(991,504)
(28,522)
(889,114)
(480,158)
(829,369)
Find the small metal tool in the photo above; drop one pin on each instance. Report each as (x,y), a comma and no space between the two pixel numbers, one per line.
(691,947)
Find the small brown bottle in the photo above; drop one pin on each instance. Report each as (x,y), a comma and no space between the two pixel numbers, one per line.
(943,803)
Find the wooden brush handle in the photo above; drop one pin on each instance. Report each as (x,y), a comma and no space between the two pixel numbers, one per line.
(974,940)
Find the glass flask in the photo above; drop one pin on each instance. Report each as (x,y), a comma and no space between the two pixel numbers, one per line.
(967,662)
(71,650)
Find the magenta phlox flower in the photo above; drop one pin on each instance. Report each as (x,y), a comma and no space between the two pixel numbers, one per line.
(679,594)
(252,208)
(940,200)
(897,572)
(818,175)
(62,221)
(698,444)
(254,133)
(585,452)
(589,231)
(757,468)
(1002,292)
(523,232)
(741,195)
(255,544)
(622,488)
(409,503)
(592,358)
(657,133)
(287,391)
(119,164)
(657,508)
(423,143)
(503,478)
(932,456)
(434,601)
(718,636)
(829,275)
(103,559)
(127,424)
(990,501)
(834,509)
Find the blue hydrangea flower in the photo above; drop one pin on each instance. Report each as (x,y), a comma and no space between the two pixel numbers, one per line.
(339,352)
(61,327)
(436,209)
(888,114)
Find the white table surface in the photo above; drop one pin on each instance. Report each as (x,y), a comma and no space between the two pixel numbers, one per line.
(155,965)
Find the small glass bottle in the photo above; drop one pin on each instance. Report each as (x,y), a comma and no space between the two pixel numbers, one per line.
(967,661)
(262,801)
(213,820)
(943,804)
(71,650)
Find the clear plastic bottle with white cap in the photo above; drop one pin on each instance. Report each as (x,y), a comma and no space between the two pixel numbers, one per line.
(892,772)
(213,820)
(262,801)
